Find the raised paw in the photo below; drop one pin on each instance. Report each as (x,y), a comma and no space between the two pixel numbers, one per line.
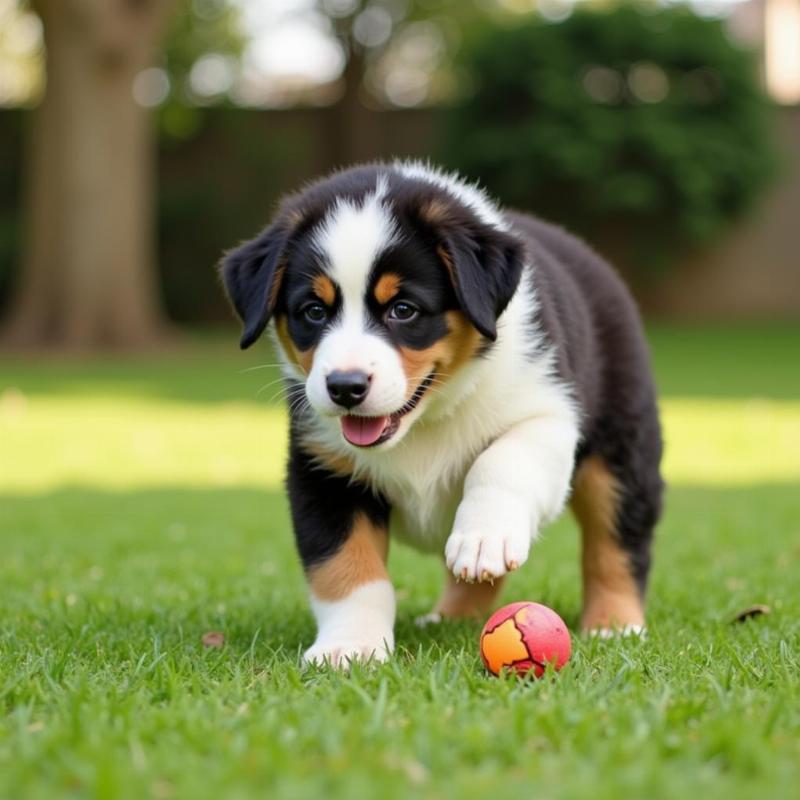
(474,556)
(487,542)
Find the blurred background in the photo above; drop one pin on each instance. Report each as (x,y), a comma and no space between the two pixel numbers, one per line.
(140,138)
(142,454)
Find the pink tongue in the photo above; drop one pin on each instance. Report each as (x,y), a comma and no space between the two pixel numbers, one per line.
(363,431)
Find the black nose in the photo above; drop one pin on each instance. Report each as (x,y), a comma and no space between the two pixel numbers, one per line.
(349,388)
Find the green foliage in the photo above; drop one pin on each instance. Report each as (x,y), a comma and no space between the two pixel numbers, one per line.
(645,120)
(200,29)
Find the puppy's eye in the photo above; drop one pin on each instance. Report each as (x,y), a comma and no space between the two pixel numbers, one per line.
(315,312)
(403,312)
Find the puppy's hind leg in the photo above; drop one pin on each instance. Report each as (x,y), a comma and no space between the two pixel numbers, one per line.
(616,519)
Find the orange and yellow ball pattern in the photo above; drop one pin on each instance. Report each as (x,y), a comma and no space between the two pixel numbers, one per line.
(525,637)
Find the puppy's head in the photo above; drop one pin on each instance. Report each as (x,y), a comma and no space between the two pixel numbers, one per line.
(382,282)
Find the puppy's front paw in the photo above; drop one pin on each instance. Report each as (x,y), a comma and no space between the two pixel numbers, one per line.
(491,536)
(358,627)
(637,631)
(343,653)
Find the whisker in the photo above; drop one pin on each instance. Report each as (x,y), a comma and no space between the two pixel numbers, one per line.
(299,404)
(432,381)
(278,393)
(296,399)
(291,391)
(281,394)
(258,366)
(270,383)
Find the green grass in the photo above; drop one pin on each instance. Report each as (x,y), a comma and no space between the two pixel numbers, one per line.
(140,507)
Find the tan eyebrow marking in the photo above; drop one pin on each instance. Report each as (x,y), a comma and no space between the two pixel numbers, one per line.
(324,289)
(387,287)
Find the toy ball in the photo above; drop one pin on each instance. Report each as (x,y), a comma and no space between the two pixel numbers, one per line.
(525,637)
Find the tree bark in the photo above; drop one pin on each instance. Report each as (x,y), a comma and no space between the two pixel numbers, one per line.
(88,264)
(347,138)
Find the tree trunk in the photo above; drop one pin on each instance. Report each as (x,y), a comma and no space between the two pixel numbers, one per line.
(88,265)
(346,138)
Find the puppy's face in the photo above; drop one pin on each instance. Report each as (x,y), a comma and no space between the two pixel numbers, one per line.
(365,295)
(370,319)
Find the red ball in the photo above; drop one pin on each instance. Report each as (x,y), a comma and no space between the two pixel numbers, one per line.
(525,637)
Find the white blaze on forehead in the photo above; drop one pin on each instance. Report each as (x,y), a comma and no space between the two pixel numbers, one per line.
(351,238)
(470,195)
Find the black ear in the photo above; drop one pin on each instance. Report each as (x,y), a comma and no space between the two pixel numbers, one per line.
(252,275)
(485,266)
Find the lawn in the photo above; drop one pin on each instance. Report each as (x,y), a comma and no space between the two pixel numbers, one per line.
(141,507)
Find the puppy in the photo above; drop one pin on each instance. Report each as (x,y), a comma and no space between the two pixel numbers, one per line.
(455,373)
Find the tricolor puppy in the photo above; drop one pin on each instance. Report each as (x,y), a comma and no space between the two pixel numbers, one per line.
(456,372)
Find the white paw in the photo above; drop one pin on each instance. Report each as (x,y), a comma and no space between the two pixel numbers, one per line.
(489,538)
(359,627)
(432,618)
(344,653)
(639,631)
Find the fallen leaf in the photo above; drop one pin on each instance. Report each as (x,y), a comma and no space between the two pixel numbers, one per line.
(213,639)
(756,610)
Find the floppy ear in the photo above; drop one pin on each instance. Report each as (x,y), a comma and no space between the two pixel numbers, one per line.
(252,276)
(485,265)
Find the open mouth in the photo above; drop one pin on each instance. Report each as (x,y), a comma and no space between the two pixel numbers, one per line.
(372,431)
